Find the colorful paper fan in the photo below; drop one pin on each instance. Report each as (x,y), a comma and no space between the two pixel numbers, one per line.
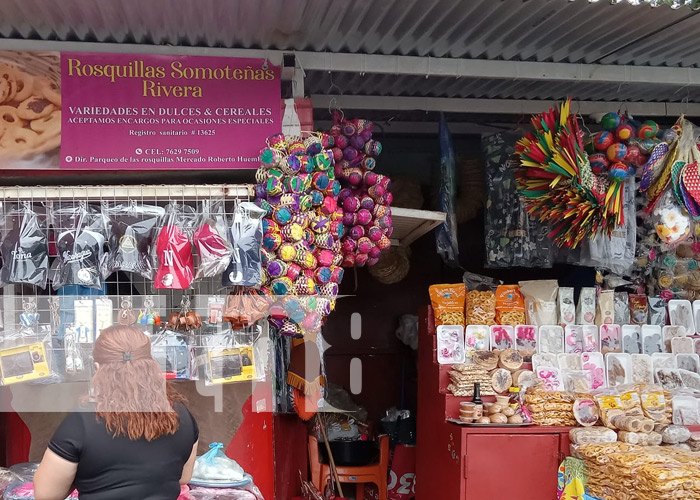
(557,184)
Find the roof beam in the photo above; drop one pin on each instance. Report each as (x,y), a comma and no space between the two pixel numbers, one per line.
(496,106)
(402,65)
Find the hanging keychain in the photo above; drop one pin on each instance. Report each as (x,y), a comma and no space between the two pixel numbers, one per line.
(126,313)
(29,318)
(74,361)
(148,316)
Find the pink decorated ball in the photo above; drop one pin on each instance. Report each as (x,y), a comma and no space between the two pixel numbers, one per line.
(361,259)
(348,246)
(364,245)
(375,233)
(351,204)
(374,252)
(367,202)
(357,232)
(364,216)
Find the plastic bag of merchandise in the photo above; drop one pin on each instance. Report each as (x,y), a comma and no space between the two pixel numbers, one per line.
(215,468)
(446,234)
(512,237)
(25,491)
(80,240)
(616,252)
(672,223)
(131,230)
(210,239)
(246,235)
(249,492)
(7,477)
(24,249)
(174,250)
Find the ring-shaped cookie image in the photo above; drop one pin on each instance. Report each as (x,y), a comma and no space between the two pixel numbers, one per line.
(50,124)
(35,107)
(25,86)
(8,87)
(10,118)
(16,141)
(49,90)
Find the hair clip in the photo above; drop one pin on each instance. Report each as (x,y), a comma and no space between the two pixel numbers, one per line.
(126,356)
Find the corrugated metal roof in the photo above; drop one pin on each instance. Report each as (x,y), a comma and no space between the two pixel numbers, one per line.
(319,82)
(531,30)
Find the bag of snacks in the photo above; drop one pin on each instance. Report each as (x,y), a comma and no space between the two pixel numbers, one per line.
(638,309)
(622,308)
(448,303)
(605,314)
(510,305)
(653,402)
(481,307)
(540,301)
(585,311)
(567,307)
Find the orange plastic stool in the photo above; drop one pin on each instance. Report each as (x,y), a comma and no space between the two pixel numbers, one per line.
(377,473)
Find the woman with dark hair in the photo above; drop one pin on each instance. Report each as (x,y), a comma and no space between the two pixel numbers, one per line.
(137,440)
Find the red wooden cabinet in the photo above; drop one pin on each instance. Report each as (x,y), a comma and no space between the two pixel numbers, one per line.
(522,466)
(476,463)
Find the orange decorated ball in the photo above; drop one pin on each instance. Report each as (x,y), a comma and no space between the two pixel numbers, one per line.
(625,132)
(616,152)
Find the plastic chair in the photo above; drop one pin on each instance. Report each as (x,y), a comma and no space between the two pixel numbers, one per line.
(376,473)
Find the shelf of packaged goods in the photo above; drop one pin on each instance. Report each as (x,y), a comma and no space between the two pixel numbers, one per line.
(183,192)
(410,224)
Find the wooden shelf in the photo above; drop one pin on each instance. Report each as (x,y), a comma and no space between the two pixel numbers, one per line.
(411,224)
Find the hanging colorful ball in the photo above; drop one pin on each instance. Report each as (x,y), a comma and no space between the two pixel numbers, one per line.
(350,153)
(349,218)
(357,142)
(364,245)
(375,233)
(619,171)
(357,232)
(367,202)
(349,245)
(647,130)
(625,132)
(610,121)
(634,156)
(353,176)
(669,135)
(373,148)
(603,140)
(364,216)
(351,204)
(374,252)
(616,152)
(371,178)
(361,259)
(344,193)
(341,141)
(599,163)
(337,154)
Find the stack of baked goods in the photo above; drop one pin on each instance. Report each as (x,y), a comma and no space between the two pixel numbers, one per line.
(550,407)
(464,377)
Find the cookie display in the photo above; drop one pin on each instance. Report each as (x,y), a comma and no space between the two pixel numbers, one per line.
(30,111)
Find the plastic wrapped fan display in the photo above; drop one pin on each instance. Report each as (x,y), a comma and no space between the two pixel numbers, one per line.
(25,491)
(175,353)
(214,468)
(245,268)
(24,249)
(211,239)
(131,231)
(446,235)
(512,238)
(235,356)
(174,250)
(617,252)
(80,240)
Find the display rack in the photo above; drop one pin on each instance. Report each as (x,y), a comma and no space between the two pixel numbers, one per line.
(410,224)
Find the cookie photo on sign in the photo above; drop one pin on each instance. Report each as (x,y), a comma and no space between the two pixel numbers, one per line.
(30,107)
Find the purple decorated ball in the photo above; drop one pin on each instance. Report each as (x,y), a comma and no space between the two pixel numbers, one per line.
(375,233)
(374,252)
(357,142)
(367,202)
(364,216)
(349,245)
(351,204)
(357,232)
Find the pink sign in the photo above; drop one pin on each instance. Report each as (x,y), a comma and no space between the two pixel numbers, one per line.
(132,111)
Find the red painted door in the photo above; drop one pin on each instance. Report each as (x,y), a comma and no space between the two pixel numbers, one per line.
(522,466)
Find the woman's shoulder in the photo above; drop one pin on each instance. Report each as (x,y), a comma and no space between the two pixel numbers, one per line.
(187,420)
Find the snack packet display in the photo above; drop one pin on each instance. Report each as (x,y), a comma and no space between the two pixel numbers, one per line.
(480,307)
(24,248)
(657,311)
(526,341)
(510,306)
(448,303)
(619,369)
(567,307)
(622,308)
(610,339)
(131,229)
(174,250)
(652,340)
(594,363)
(586,308)
(605,314)
(573,335)
(642,369)
(540,298)
(477,338)
(80,240)
(638,309)
(245,268)
(550,339)
(632,339)
(210,239)
(680,313)
(450,344)
(591,338)
(502,337)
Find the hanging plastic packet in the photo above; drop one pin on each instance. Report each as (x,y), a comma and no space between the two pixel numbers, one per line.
(586,308)
(131,229)
(246,236)
(672,223)
(639,308)
(175,354)
(210,239)
(232,356)
(174,250)
(215,468)
(622,308)
(657,311)
(567,306)
(80,240)
(24,248)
